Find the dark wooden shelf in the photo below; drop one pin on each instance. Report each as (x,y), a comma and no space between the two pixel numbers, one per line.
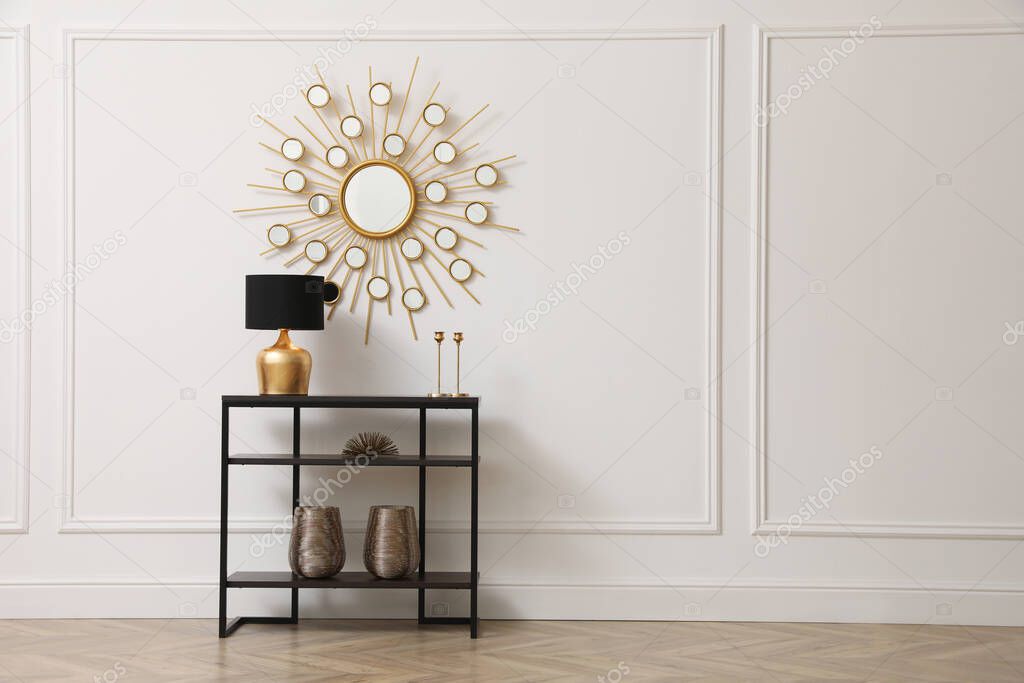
(335,459)
(255,401)
(349,580)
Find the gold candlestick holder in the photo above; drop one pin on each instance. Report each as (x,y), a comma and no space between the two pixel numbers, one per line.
(458,337)
(438,337)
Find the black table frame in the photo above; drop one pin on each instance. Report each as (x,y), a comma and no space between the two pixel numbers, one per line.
(420,581)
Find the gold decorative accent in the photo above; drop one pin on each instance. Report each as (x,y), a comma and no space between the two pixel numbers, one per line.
(370,444)
(438,337)
(284,368)
(421,155)
(458,337)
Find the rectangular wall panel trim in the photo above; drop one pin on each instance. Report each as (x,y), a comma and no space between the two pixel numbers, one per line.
(707,523)
(760,324)
(21,286)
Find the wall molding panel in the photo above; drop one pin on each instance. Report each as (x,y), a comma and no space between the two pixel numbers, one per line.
(707,523)
(760,455)
(21,284)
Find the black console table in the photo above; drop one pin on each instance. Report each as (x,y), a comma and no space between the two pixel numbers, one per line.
(421,580)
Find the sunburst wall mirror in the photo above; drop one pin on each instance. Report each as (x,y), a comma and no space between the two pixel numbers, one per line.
(379,209)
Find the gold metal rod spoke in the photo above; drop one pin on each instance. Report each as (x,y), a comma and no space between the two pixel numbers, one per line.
(267,121)
(311,168)
(463,285)
(430,98)
(430,131)
(466,122)
(277,189)
(369,319)
(398,266)
(473,168)
(269,208)
(358,289)
(322,144)
(352,103)
(294,241)
(464,201)
(436,283)
(439,164)
(387,113)
(351,100)
(465,220)
(334,100)
(408,94)
(438,225)
(387,274)
(326,127)
(373,125)
(415,337)
(308,220)
(474,186)
(341,256)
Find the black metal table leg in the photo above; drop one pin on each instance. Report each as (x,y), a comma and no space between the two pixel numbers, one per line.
(474,578)
(222,620)
(296,442)
(421,593)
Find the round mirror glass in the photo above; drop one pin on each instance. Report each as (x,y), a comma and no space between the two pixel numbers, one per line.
(377,198)
(378,287)
(332,292)
(486,175)
(444,152)
(351,126)
(434,114)
(413,299)
(435,191)
(279,235)
(460,270)
(320,205)
(394,145)
(294,181)
(412,248)
(446,238)
(337,157)
(292,149)
(318,96)
(476,213)
(380,93)
(316,251)
(355,257)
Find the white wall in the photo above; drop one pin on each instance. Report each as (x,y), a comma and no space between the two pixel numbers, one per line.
(792,295)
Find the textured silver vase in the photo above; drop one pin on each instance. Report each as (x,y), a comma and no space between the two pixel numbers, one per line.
(317,548)
(392,546)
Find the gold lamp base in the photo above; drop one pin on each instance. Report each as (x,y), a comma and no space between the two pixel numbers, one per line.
(284,368)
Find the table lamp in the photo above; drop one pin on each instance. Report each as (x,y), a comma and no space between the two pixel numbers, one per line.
(284,302)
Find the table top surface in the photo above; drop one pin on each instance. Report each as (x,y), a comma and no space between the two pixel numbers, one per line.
(330,401)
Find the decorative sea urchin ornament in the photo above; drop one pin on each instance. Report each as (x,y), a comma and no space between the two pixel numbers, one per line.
(371,444)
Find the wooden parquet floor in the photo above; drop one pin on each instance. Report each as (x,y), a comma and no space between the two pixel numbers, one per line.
(126,651)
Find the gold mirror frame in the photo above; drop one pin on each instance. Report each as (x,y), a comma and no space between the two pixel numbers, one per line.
(408,183)
(350,252)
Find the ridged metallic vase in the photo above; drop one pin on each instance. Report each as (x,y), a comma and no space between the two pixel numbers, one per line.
(317,548)
(392,546)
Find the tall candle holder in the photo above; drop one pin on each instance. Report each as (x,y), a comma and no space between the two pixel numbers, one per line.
(438,337)
(458,337)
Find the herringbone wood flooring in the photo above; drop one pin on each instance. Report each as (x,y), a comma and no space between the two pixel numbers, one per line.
(386,651)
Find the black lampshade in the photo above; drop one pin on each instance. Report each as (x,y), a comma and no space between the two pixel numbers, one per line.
(293,302)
